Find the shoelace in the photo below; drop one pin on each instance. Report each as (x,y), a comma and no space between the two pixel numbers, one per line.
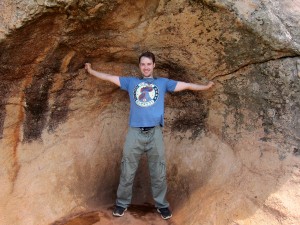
(164,210)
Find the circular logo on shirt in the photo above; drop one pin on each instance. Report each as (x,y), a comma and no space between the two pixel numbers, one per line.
(145,94)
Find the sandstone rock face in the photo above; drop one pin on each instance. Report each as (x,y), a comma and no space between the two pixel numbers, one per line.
(232,152)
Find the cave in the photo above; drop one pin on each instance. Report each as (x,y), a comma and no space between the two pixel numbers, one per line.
(233,152)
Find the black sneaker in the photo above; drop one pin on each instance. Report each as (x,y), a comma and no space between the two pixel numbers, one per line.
(119,211)
(165,213)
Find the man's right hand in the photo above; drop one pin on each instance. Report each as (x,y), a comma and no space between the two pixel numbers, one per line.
(210,84)
(88,67)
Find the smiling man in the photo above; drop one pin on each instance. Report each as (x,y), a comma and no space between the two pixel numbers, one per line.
(145,130)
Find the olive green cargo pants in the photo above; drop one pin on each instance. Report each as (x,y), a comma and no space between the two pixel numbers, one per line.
(137,143)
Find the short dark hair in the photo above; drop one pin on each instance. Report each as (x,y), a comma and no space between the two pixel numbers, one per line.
(149,55)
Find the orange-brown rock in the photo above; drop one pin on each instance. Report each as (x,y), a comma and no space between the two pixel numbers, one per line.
(232,152)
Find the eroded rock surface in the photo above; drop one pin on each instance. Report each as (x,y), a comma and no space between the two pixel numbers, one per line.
(232,152)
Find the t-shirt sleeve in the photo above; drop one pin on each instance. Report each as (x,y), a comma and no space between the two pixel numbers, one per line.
(171,85)
(124,83)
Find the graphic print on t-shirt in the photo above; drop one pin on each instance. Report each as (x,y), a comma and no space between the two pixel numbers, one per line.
(145,94)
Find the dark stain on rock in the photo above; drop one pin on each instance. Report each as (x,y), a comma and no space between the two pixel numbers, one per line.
(176,71)
(88,218)
(2,117)
(279,97)
(247,49)
(192,107)
(60,108)
(139,211)
(182,184)
(296,151)
(192,112)
(179,185)
(26,53)
(76,63)
(202,4)
(4,92)
(23,46)
(36,109)
(37,95)
(234,100)
(271,92)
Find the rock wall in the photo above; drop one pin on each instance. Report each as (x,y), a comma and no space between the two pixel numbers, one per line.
(232,152)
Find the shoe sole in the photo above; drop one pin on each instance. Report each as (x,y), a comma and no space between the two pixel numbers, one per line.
(165,218)
(119,215)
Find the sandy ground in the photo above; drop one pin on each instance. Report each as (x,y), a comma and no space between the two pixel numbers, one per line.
(136,214)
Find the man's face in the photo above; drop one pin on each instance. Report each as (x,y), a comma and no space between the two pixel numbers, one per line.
(147,66)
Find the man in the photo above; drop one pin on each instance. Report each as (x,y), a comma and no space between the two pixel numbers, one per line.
(145,130)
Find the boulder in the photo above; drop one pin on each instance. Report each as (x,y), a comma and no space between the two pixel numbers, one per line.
(232,152)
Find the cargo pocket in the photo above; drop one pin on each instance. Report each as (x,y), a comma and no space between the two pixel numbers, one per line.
(128,170)
(162,167)
(124,192)
(157,173)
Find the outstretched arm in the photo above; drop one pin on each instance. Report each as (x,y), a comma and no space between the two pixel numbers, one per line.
(103,76)
(194,87)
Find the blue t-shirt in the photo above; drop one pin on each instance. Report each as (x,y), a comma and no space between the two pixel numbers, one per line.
(147,99)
